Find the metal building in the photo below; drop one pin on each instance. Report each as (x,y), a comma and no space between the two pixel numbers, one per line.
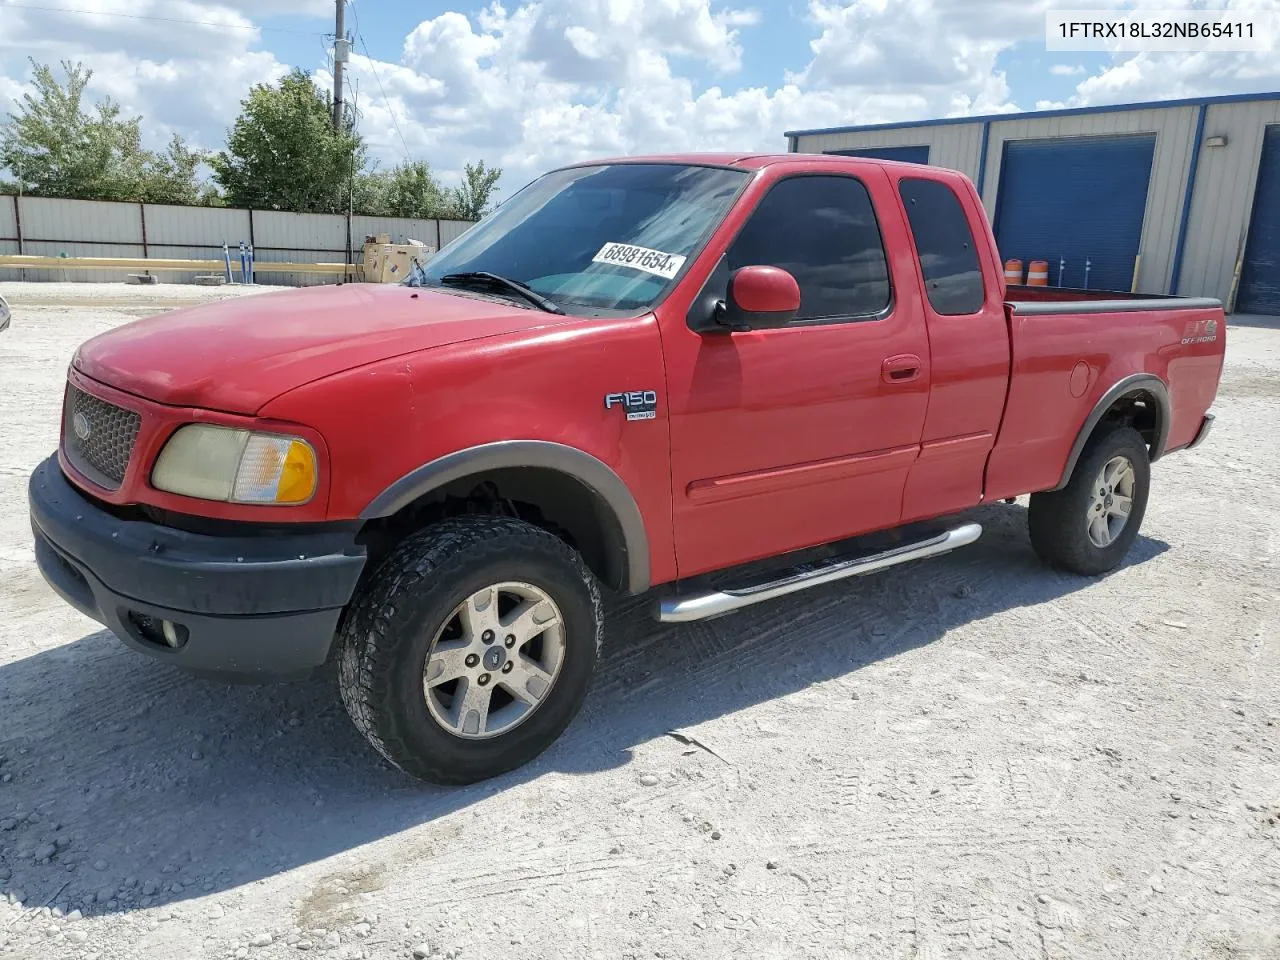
(1180,196)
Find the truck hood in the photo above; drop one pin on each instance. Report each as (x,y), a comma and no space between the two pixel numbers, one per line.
(238,354)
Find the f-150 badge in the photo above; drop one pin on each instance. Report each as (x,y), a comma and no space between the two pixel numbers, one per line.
(639,404)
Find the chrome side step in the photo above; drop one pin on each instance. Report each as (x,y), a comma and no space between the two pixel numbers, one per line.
(684,609)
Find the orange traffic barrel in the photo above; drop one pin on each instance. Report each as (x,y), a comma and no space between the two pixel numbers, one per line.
(1038,273)
(1013,272)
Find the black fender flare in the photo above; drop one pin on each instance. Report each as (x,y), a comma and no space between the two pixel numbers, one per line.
(1147,383)
(594,474)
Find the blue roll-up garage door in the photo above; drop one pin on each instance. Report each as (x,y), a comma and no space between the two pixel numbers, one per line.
(905,154)
(1260,274)
(1076,199)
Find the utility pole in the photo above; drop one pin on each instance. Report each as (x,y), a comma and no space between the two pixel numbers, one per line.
(341,49)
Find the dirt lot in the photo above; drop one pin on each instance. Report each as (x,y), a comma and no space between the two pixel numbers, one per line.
(971,756)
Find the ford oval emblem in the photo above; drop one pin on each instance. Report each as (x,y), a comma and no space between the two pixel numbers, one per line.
(80,424)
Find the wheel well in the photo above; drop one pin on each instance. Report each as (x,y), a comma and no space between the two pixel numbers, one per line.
(1140,401)
(1138,409)
(545,497)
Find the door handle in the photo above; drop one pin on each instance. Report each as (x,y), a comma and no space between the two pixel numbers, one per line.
(901,369)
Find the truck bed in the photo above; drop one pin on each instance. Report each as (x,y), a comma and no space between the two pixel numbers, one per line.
(1027,300)
(1068,347)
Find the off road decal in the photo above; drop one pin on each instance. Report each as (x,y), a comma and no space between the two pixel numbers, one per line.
(1201,331)
(660,264)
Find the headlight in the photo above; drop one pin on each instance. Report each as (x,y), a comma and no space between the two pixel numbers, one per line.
(236,466)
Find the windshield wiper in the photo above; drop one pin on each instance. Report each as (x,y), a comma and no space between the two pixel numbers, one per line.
(484,278)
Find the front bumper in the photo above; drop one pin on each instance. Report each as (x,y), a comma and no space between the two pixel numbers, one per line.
(241,607)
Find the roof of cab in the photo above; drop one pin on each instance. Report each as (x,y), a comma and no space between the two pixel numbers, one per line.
(749,161)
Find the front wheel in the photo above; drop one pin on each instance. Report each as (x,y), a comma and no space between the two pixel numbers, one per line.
(471,648)
(1089,525)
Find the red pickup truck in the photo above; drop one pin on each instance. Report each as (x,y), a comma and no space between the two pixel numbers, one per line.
(647,374)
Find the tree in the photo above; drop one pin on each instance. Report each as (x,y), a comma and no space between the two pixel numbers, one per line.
(283,153)
(471,199)
(408,190)
(171,177)
(57,148)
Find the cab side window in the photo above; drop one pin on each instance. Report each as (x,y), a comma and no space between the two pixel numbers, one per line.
(823,230)
(945,246)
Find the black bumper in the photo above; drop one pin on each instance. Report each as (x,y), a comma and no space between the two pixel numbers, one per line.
(241,607)
(1205,426)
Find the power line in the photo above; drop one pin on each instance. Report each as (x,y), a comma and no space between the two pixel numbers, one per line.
(141,16)
(373,66)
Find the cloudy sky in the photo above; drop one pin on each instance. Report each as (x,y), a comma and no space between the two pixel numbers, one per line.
(529,85)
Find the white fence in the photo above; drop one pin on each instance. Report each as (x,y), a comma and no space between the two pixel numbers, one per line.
(45,227)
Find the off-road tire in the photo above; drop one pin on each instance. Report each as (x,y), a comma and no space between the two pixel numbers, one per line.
(1057,519)
(396,614)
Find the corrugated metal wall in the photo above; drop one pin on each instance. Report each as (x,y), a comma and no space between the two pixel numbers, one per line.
(8,226)
(1174,130)
(955,146)
(451,230)
(1225,183)
(193,233)
(85,228)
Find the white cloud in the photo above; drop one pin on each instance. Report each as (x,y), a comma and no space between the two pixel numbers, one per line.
(548,82)
(543,82)
(180,64)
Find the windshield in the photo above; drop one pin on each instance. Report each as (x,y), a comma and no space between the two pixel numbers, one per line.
(595,239)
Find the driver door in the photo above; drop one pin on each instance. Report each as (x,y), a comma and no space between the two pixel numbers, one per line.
(787,438)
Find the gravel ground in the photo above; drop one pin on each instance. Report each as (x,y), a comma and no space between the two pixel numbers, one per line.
(971,756)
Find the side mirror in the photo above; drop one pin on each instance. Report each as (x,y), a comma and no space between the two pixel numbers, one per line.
(760,298)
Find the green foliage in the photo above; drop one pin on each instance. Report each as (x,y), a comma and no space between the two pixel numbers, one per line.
(408,190)
(211,196)
(56,147)
(471,200)
(171,176)
(283,153)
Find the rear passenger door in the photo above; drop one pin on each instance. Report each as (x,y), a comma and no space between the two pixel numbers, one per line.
(786,438)
(968,339)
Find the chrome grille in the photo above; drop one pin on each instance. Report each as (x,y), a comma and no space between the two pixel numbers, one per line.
(98,437)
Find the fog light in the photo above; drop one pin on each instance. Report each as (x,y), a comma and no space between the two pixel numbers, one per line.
(175,634)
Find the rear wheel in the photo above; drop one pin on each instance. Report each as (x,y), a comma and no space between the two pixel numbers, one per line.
(1089,525)
(471,648)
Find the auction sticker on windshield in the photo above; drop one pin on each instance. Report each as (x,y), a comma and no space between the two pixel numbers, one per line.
(660,264)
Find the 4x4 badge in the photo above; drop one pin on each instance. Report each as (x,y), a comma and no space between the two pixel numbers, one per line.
(1201,331)
(639,404)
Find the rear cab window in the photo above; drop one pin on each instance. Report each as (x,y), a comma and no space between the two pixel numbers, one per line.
(945,246)
(822,229)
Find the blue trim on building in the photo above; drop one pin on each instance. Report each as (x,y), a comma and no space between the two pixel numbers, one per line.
(1044,114)
(1197,144)
(982,157)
